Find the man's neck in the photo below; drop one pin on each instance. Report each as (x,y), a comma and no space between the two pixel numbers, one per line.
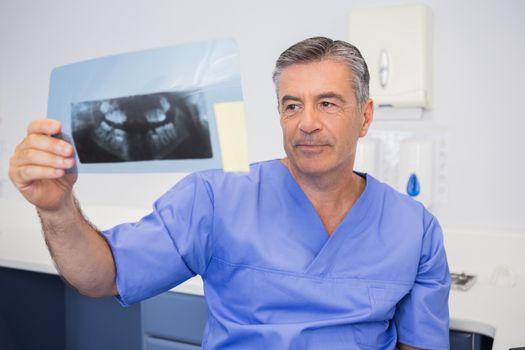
(332,194)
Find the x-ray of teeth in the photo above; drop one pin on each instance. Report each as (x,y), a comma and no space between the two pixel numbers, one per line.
(165,125)
(147,111)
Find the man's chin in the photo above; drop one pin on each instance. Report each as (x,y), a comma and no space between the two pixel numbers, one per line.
(311,166)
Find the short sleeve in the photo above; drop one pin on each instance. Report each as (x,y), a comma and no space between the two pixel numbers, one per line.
(166,247)
(422,317)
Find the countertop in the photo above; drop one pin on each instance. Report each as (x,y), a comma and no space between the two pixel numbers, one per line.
(494,306)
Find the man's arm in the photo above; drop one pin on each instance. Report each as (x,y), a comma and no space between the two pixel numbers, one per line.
(38,170)
(422,315)
(82,256)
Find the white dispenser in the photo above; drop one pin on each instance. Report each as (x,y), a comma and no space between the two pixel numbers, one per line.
(397,44)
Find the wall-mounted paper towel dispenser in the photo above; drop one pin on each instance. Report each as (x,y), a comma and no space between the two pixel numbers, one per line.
(397,44)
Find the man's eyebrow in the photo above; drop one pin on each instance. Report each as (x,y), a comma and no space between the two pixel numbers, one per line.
(286,98)
(331,94)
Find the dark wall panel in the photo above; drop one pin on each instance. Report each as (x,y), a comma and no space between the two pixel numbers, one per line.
(31,311)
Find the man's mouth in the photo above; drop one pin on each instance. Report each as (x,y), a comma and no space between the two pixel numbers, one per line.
(311,145)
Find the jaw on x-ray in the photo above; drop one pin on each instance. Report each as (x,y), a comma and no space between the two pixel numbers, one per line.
(143,127)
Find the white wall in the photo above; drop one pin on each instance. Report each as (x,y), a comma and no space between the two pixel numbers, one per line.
(479,68)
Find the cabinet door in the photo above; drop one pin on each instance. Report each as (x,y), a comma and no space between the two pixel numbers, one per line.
(175,316)
(161,344)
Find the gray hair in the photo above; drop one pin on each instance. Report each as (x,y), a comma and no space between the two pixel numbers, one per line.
(319,48)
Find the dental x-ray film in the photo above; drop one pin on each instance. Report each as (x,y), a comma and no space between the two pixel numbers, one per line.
(154,110)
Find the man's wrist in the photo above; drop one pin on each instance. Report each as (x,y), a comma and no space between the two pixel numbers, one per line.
(69,208)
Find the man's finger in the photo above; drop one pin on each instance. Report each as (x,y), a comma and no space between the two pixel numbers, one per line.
(47,144)
(44,126)
(31,156)
(28,174)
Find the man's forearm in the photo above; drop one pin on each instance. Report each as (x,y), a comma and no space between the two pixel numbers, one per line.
(81,254)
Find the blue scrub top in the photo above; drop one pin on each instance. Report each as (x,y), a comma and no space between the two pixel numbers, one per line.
(274,279)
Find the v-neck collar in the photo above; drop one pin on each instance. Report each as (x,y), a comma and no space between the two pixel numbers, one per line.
(356,211)
(350,225)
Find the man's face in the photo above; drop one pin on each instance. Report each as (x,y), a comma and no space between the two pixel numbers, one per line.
(320,117)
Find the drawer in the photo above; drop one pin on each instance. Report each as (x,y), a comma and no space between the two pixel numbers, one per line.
(175,316)
(161,344)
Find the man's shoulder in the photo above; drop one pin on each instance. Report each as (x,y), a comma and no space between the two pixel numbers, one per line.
(216,184)
(394,201)
(398,212)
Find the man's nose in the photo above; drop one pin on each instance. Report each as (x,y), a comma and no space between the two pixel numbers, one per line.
(310,121)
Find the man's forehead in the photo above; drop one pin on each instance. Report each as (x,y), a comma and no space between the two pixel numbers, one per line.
(315,78)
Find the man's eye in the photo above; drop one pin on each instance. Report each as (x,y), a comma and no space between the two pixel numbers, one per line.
(329,106)
(291,109)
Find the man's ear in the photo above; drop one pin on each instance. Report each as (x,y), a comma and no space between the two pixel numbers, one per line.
(368,116)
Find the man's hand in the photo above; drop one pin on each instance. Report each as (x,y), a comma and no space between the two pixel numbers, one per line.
(38,170)
(37,167)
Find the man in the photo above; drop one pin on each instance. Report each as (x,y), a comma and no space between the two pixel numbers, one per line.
(301,253)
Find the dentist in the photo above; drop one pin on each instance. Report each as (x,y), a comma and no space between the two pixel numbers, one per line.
(299,253)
